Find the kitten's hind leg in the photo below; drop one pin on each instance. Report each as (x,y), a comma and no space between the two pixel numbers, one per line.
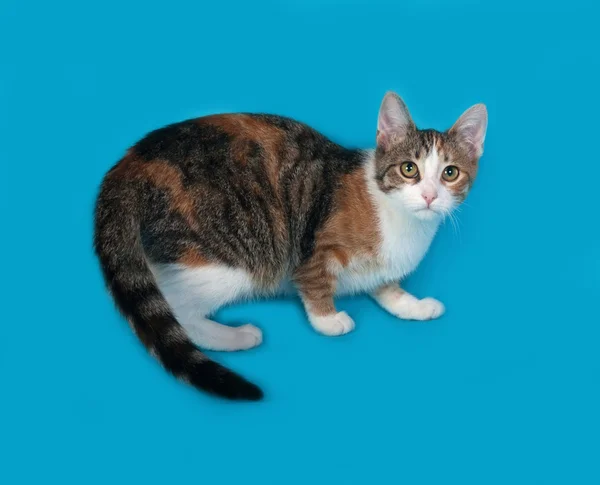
(215,336)
(404,305)
(196,292)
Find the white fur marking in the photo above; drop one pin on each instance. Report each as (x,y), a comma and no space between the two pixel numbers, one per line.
(336,324)
(215,336)
(405,306)
(198,292)
(194,293)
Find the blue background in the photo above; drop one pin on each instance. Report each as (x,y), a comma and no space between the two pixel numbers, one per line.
(503,389)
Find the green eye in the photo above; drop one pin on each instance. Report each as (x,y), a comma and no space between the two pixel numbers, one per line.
(450,173)
(409,169)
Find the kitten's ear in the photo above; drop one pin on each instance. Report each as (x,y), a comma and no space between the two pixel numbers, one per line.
(470,129)
(394,120)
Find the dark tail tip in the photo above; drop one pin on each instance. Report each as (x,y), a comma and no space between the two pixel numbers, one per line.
(225,383)
(243,390)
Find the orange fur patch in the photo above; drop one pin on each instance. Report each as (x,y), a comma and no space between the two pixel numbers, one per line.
(352,228)
(192,258)
(351,231)
(244,128)
(168,178)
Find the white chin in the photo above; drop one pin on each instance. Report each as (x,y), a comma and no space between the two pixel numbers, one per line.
(426,214)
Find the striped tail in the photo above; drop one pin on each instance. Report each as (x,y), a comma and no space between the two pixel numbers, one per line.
(118,245)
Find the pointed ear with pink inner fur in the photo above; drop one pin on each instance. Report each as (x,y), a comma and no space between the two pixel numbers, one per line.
(394,121)
(470,129)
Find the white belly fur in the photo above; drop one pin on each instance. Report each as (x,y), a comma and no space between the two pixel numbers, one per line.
(400,255)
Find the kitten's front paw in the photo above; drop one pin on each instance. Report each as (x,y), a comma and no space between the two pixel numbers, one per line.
(428,309)
(337,324)
(408,307)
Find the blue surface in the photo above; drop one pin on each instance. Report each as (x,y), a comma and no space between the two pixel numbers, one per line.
(504,389)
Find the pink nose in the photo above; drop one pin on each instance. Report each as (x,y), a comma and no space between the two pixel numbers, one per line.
(429,197)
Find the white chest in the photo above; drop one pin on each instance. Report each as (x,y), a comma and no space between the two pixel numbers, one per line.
(404,242)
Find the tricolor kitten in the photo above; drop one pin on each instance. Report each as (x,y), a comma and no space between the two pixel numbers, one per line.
(236,206)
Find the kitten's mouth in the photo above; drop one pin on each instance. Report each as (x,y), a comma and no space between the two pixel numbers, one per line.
(426,213)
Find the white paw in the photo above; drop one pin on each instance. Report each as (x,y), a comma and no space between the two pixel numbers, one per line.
(250,336)
(408,307)
(428,309)
(332,325)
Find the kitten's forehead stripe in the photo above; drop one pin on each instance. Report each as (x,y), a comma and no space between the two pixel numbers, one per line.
(432,164)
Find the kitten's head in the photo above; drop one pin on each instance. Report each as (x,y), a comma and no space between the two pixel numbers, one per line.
(427,172)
